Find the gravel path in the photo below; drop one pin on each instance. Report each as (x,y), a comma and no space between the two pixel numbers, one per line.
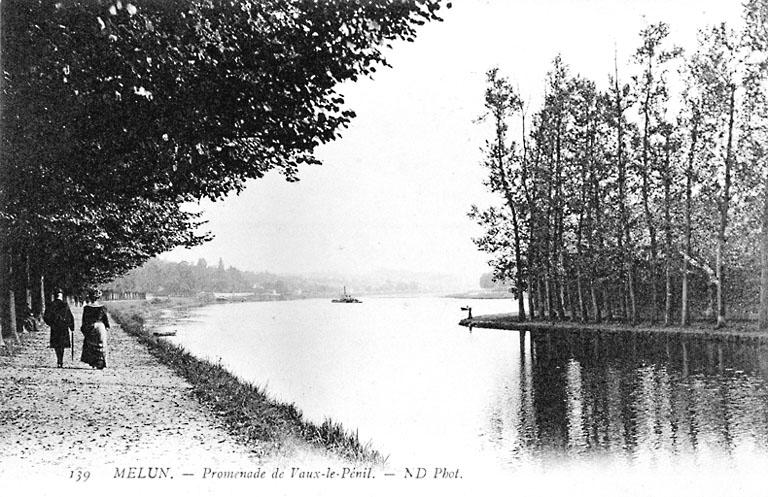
(134,413)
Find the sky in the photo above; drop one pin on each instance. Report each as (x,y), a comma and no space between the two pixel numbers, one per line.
(393,193)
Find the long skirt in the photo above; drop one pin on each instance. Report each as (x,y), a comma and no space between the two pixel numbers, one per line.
(95,346)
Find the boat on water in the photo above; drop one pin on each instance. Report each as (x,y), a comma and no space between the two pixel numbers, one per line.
(346,299)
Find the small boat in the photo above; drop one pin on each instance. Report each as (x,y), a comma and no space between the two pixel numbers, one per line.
(346,299)
(164,333)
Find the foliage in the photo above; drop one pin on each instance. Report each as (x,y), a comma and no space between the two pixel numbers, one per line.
(610,181)
(116,114)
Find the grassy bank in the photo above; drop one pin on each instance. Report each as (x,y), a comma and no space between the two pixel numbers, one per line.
(735,332)
(247,411)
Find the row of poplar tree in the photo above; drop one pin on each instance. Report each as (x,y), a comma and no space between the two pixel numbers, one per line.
(644,199)
(116,115)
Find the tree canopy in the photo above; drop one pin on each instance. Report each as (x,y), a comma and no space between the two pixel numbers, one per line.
(115,114)
(642,198)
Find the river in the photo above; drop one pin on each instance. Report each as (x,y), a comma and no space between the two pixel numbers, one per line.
(425,390)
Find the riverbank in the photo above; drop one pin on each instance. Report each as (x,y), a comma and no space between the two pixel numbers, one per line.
(154,405)
(247,411)
(136,412)
(739,332)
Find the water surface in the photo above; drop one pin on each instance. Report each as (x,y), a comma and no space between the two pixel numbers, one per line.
(427,391)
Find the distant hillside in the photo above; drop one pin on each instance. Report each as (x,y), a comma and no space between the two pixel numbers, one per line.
(160,277)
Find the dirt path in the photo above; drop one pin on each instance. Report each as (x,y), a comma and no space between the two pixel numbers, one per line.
(134,413)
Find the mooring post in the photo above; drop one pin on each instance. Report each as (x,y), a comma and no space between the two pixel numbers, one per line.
(469,310)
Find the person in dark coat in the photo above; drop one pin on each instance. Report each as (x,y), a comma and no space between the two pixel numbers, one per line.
(60,319)
(94,329)
(30,323)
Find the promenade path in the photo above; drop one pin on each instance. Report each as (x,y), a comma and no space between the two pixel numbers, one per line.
(134,413)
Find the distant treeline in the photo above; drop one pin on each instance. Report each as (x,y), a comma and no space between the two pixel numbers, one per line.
(182,278)
(644,199)
(161,277)
(489,282)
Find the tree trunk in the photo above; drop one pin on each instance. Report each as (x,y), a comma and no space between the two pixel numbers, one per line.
(724,203)
(531,297)
(510,198)
(654,249)
(38,293)
(667,235)
(27,281)
(684,318)
(561,301)
(667,293)
(595,180)
(684,311)
(647,210)
(19,288)
(711,313)
(542,310)
(763,315)
(519,264)
(524,180)
(632,307)
(4,303)
(23,289)
(607,304)
(595,303)
(583,316)
(8,296)
(627,258)
(571,299)
(548,291)
(558,202)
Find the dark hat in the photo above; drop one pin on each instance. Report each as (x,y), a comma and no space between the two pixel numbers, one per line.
(93,294)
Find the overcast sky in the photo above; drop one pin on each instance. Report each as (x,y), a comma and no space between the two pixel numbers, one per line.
(393,193)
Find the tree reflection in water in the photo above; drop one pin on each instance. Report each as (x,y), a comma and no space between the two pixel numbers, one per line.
(641,400)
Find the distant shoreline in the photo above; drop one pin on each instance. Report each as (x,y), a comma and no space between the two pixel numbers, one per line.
(738,332)
(480,295)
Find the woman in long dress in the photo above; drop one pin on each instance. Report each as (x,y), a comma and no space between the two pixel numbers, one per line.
(94,328)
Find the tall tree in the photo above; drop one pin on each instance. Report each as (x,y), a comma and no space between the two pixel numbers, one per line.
(717,69)
(756,82)
(501,103)
(651,93)
(621,102)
